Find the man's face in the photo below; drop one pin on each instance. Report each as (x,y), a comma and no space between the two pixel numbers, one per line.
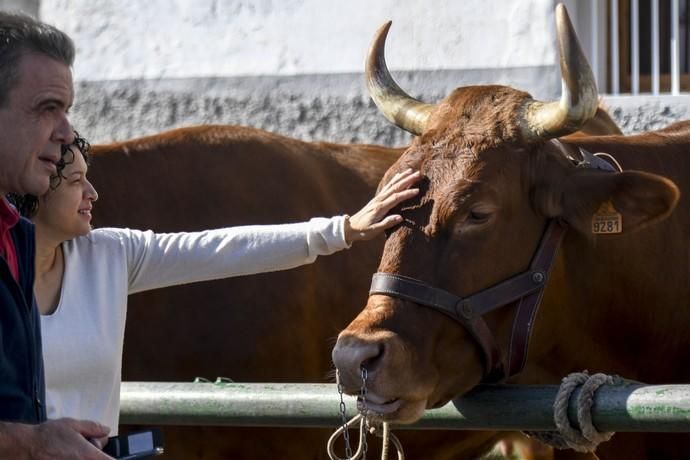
(33,124)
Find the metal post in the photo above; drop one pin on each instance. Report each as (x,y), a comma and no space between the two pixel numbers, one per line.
(615,61)
(594,40)
(635,46)
(658,408)
(675,53)
(655,46)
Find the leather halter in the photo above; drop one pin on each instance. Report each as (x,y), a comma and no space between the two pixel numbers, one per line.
(524,290)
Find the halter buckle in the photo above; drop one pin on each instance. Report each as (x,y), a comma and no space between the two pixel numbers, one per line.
(464,309)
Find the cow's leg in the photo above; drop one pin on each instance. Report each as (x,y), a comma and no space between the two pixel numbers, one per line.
(517,445)
(568,454)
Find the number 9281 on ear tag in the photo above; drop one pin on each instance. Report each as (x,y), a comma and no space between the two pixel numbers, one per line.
(607,220)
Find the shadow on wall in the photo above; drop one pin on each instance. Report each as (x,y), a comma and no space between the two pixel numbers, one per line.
(29,7)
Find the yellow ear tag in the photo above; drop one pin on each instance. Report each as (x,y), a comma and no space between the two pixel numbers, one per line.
(607,220)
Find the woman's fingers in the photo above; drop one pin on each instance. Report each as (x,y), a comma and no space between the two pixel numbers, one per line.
(372,219)
(399,182)
(386,223)
(396,198)
(396,185)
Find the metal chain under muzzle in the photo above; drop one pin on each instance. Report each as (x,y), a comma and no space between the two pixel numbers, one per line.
(381,429)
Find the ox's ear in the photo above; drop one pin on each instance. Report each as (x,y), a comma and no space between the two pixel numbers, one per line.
(591,200)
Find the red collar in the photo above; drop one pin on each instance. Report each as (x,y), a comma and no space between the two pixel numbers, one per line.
(9,216)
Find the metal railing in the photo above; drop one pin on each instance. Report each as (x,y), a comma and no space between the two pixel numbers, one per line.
(631,407)
(601,33)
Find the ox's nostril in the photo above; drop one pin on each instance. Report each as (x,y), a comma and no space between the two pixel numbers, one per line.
(372,362)
(350,355)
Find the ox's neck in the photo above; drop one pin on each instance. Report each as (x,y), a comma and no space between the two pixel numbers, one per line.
(617,303)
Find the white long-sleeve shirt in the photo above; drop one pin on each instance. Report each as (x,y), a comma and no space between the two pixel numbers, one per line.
(83,337)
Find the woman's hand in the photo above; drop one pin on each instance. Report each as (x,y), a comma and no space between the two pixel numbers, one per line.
(373,218)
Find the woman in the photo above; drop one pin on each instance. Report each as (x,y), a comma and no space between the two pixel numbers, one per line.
(83,276)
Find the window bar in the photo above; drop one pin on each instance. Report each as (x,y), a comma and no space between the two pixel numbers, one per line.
(675,56)
(594,42)
(615,62)
(655,46)
(685,39)
(635,47)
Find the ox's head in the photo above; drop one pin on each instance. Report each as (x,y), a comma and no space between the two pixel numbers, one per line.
(494,177)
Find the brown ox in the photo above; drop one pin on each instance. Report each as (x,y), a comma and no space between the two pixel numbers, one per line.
(495,180)
(275,327)
(269,327)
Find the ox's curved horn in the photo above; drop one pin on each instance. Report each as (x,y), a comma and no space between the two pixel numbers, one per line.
(398,107)
(579,91)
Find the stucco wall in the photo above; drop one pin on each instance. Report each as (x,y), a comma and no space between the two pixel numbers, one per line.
(295,66)
(132,39)
(636,114)
(312,107)
(292,66)
(29,7)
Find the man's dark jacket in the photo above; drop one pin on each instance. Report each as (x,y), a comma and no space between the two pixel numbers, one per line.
(22,386)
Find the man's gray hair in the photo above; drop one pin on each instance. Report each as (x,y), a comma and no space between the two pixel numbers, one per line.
(21,34)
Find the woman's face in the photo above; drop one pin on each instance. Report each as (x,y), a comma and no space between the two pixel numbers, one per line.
(66,211)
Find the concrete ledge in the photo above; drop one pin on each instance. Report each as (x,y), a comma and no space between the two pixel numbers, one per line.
(333,108)
(641,113)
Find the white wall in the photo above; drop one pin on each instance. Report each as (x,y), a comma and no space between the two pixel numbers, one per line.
(295,66)
(122,39)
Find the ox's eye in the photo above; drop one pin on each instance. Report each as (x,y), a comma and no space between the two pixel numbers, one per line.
(478,216)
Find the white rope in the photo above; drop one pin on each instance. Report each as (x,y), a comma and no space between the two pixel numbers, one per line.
(360,445)
(387,438)
(610,157)
(385,444)
(587,438)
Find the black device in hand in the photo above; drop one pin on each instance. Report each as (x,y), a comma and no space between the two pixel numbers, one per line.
(137,445)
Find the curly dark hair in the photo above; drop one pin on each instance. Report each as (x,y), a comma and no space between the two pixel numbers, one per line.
(27,205)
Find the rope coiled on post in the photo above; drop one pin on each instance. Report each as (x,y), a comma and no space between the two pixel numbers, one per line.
(587,438)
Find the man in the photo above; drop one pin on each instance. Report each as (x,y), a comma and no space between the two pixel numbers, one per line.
(36,92)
